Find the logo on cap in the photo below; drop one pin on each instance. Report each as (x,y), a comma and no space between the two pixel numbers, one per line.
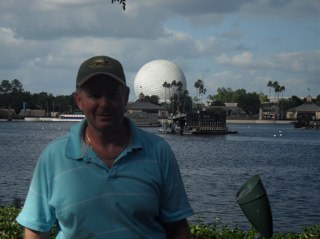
(100,63)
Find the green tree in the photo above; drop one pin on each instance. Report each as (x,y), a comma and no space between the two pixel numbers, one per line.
(166,87)
(276,88)
(16,86)
(186,102)
(250,103)
(236,94)
(263,98)
(173,96)
(65,104)
(223,95)
(226,95)
(5,87)
(201,91)
(11,95)
(179,93)
(281,90)
(297,101)
(292,102)
(270,85)
(154,99)
(16,99)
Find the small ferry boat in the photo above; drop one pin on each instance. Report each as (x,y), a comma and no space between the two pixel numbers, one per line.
(64,118)
(76,117)
(198,123)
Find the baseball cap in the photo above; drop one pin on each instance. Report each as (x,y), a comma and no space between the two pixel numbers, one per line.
(100,65)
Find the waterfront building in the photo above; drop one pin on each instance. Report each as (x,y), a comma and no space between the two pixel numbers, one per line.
(307,110)
(144,113)
(32,113)
(7,113)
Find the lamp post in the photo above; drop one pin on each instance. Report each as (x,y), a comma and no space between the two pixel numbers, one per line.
(253,201)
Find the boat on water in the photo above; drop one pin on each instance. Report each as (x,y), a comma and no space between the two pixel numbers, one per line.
(307,120)
(75,117)
(307,124)
(61,118)
(197,123)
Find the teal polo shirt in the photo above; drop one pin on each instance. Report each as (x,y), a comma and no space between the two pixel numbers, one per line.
(132,199)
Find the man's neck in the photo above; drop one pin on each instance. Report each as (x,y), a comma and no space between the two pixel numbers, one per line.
(113,136)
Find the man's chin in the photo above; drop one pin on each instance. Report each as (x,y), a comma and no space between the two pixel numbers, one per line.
(106,122)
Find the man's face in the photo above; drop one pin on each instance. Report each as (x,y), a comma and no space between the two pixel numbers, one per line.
(103,102)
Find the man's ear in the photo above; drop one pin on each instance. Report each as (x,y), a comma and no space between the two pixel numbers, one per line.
(77,99)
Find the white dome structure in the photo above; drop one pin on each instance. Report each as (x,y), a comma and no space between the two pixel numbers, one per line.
(151,77)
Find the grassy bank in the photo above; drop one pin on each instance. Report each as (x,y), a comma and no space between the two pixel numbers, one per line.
(9,229)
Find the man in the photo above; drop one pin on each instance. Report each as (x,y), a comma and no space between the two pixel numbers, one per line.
(106,178)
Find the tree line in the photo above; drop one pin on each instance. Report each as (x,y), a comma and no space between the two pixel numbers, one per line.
(13,96)
(250,102)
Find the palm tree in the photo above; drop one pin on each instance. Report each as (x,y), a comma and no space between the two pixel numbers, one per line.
(201,90)
(179,90)
(166,86)
(173,86)
(281,90)
(270,85)
(276,87)
(172,94)
(185,95)
(277,90)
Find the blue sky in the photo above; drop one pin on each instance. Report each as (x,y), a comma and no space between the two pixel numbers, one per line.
(231,43)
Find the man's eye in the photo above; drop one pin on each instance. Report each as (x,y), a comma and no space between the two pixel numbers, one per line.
(113,95)
(94,96)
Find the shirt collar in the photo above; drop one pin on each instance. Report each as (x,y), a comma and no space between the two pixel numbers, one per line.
(76,149)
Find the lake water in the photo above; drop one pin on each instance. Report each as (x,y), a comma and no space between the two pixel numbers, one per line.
(213,169)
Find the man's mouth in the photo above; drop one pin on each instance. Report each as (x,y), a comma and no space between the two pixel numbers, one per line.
(105,115)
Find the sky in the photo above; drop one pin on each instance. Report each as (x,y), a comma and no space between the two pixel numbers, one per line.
(237,44)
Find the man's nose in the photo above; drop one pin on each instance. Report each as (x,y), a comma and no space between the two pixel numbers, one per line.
(104,100)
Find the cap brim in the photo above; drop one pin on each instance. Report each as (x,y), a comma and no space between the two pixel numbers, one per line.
(100,73)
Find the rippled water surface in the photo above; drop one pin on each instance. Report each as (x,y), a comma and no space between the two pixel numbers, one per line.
(213,169)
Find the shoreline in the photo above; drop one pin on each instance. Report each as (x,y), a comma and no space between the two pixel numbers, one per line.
(228,121)
(254,121)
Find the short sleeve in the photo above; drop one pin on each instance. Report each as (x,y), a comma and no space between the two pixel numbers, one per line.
(174,201)
(37,213)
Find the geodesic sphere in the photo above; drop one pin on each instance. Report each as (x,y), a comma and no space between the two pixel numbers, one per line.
(150,78)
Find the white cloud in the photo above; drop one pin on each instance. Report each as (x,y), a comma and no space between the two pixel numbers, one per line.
(300,61)
(244,59)
(289,61)
(44,41)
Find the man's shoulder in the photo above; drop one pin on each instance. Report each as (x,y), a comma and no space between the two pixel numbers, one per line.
(57,144)
(59,140)
(71,138)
